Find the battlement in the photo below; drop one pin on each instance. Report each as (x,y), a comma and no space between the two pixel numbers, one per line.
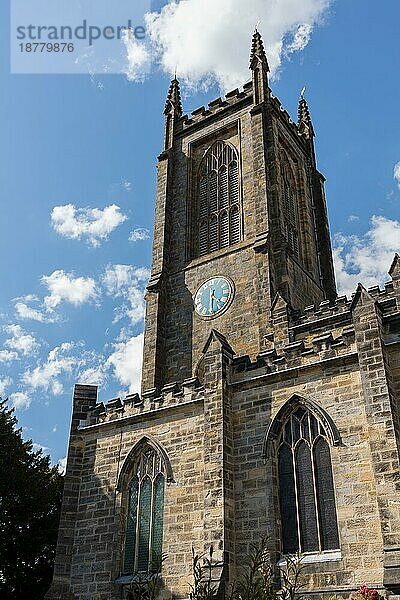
(298,354)
(218,105)
(171,396)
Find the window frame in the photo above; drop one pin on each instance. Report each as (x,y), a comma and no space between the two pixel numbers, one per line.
(294,446)
(208,219)
(161,466)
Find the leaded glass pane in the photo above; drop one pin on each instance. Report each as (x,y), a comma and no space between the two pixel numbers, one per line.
(158,516)
(306,499)
(314,499)
(287,497)
(288,432)
(143,540)
(130,535)
(305,428)
(299,413)
(295,430)
(326,496)
(314,427)
(144,525)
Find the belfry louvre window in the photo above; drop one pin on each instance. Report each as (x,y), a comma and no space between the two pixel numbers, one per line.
(290,217)
(218,215)
(306,492)
(144,526)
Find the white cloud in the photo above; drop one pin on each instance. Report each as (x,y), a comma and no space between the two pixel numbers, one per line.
(20,341)
(126,185)
(128,282)
(48,374)
(140,234)
(7,356)
(20,400)
(68,288)
(95,375)
(353,218)
(366,259)
(5,383)
(92,224)
(216,37)
(396,173)
(25,312)
(300,38)
(64,362)
(126,361)
(138,57)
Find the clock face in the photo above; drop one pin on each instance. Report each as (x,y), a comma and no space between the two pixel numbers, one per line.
(213,297)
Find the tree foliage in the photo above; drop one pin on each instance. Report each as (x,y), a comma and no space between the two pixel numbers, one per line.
(30,501)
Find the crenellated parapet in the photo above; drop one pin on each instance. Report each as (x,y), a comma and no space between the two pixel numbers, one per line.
(172,396)
(319,349)
(231,100)
(322,334)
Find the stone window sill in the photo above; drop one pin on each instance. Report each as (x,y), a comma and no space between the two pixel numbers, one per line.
(315,557)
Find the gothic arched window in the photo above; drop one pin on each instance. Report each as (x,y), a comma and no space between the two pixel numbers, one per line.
(144,525)
(306,491)
(218,215)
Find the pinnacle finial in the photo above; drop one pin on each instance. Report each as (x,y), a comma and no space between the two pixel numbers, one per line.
(257,51)
(174,103)
(304,119)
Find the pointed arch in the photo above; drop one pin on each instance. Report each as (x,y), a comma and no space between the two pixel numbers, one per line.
(129,461)
(142,483)
(218,197)
(275,427)
(298,439)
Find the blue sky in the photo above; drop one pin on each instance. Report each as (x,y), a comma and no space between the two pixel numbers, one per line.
(72,280)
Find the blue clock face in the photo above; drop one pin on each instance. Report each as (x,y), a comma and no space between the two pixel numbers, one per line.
(213,297)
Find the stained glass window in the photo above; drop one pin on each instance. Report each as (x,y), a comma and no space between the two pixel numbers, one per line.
(145,512)
(218,215)
(306,491)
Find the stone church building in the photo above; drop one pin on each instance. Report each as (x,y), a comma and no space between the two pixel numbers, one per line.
(269,405)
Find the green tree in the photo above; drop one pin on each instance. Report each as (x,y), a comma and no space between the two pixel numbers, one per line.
(30,501)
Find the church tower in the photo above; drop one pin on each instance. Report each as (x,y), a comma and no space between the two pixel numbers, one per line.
(269,406)
(240,202)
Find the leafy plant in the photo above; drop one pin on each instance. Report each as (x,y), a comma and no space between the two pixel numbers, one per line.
(146,586)
(291,578)
(203,587)
(258,579)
